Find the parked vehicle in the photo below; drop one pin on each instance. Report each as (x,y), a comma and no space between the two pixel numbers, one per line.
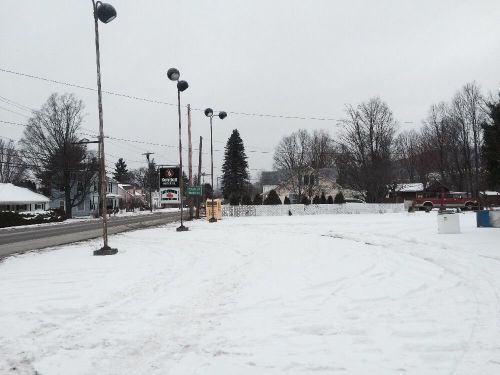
(452,199)
(354,200)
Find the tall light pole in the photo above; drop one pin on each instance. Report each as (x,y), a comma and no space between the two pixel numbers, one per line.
(173,75)
(222,115)
(105,13)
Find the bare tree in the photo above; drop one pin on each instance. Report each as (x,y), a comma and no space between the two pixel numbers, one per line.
(50,144)
(291,157)
(468,111)
(320,151)
(364,159)
(12,167)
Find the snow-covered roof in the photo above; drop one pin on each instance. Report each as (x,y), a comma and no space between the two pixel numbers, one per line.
(10,194)
(412,187)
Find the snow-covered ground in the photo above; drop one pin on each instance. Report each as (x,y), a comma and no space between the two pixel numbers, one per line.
(353,294)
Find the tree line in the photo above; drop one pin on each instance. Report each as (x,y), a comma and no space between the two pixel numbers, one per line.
(458,145)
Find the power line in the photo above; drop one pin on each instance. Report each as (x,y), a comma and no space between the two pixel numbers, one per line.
(11,111)
(154,101)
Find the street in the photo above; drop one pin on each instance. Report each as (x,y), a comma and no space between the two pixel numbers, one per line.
(29,238)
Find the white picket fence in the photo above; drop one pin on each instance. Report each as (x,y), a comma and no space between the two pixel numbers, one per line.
(312,209)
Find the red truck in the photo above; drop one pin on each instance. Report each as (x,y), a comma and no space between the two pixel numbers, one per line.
(451,199)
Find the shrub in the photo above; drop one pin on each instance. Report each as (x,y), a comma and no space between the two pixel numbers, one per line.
(257,200)
(329,200)
(286,200)
(322,200)
(272,198)
(246,200)
(14,219)
(305,200)
(339,198)
(234,200)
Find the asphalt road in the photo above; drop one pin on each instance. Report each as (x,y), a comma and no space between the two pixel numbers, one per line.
(16,240)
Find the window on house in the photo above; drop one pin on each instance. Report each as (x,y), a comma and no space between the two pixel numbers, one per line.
(61,204)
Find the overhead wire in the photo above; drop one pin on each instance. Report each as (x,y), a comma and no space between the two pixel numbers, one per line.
(154,101)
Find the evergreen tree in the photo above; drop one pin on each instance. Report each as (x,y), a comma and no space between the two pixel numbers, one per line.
(257,200)
(491,147)
(339,198)
(121,173)
(246,200)
(272,198)
(286,200)
(316,199)
(329,200)
(235,177)
(207,191)
(322,200)
(305,200)
(185,181)
(234,200)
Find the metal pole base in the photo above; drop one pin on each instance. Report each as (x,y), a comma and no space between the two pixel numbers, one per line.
(105,250)
(212,220)
(182,228)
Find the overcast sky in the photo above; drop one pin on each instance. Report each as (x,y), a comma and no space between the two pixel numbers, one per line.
(279,57)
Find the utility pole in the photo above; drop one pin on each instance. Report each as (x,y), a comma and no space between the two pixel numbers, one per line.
(199,179)
(190,162)
(149,180)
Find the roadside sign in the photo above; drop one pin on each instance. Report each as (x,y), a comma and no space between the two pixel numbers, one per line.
(169,177)
(170,196)
(193,190)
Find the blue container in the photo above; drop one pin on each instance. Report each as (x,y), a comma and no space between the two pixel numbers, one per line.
(483,219)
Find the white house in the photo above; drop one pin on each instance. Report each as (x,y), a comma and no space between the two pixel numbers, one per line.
(89,205)
(15,198)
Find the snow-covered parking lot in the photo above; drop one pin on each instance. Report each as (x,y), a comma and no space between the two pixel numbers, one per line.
(347,294)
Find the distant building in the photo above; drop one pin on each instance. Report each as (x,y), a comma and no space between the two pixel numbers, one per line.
(131,196)
(312,182)
(19,199)
(89,204)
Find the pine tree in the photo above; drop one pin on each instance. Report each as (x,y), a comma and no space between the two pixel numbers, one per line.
(316,199)
(234,200)
(286,200)
(235,177)
(491,147)
(329,200)
(305,200)
(121,173)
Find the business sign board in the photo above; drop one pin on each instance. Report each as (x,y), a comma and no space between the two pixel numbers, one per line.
(170,196)
(169,177)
